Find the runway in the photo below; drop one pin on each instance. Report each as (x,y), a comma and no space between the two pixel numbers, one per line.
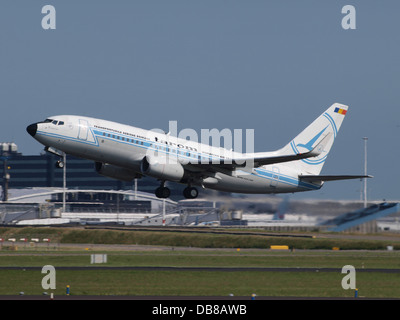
(152,300)
(205,269)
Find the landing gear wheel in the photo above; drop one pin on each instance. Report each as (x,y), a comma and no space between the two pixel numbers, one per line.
(59,164)
(190,193)
(163,192)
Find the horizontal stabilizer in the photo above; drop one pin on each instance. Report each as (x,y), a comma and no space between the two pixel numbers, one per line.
(316,178)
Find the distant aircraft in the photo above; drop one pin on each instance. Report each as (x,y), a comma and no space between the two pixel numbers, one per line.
(282,209)
(125,153)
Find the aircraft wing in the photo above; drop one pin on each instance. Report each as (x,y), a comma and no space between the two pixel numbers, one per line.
(260,159)
(255,162)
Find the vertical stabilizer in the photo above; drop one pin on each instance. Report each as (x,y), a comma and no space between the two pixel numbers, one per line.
(327,124)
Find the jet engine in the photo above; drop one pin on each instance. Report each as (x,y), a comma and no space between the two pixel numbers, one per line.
(162,168)
(115,172)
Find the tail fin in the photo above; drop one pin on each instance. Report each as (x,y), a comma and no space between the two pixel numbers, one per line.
(326,124)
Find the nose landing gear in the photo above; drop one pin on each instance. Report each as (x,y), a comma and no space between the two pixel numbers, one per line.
(59,164)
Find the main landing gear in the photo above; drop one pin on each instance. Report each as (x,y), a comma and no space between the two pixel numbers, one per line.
(164,192)
(190,193)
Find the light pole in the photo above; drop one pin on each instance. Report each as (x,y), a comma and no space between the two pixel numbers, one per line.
(365,171)
(135,189)
(64,178)
(6,177)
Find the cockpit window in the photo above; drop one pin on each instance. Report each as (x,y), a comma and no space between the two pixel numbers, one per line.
(55,122)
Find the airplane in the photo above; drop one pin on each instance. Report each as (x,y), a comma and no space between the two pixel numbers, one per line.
(281,210)
(125,152)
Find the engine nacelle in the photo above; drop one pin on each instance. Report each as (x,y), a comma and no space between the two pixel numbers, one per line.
(162,169)
(115,172)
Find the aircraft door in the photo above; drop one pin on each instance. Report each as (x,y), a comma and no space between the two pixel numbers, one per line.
(83,129)
(275,177)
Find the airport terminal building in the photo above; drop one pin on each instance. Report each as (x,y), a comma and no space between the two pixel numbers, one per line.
(32,190)
(19,171)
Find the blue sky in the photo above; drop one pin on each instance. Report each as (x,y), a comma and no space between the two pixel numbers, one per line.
(271,66)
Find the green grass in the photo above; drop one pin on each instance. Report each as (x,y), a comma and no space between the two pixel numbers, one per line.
(186,283)
(204,283)
(226,258)
(253,253)
(190,239)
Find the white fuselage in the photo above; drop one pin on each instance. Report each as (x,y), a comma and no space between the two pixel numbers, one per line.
(126,146)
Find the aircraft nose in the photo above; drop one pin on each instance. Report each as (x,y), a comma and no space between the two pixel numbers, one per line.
(32,129)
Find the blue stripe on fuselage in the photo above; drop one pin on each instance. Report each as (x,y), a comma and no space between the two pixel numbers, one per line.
(60,136)
(146,144)
(267,174)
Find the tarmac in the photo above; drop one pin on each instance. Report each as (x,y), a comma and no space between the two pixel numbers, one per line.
(206,269)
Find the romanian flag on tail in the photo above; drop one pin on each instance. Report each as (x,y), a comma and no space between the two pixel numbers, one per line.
(341,111)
